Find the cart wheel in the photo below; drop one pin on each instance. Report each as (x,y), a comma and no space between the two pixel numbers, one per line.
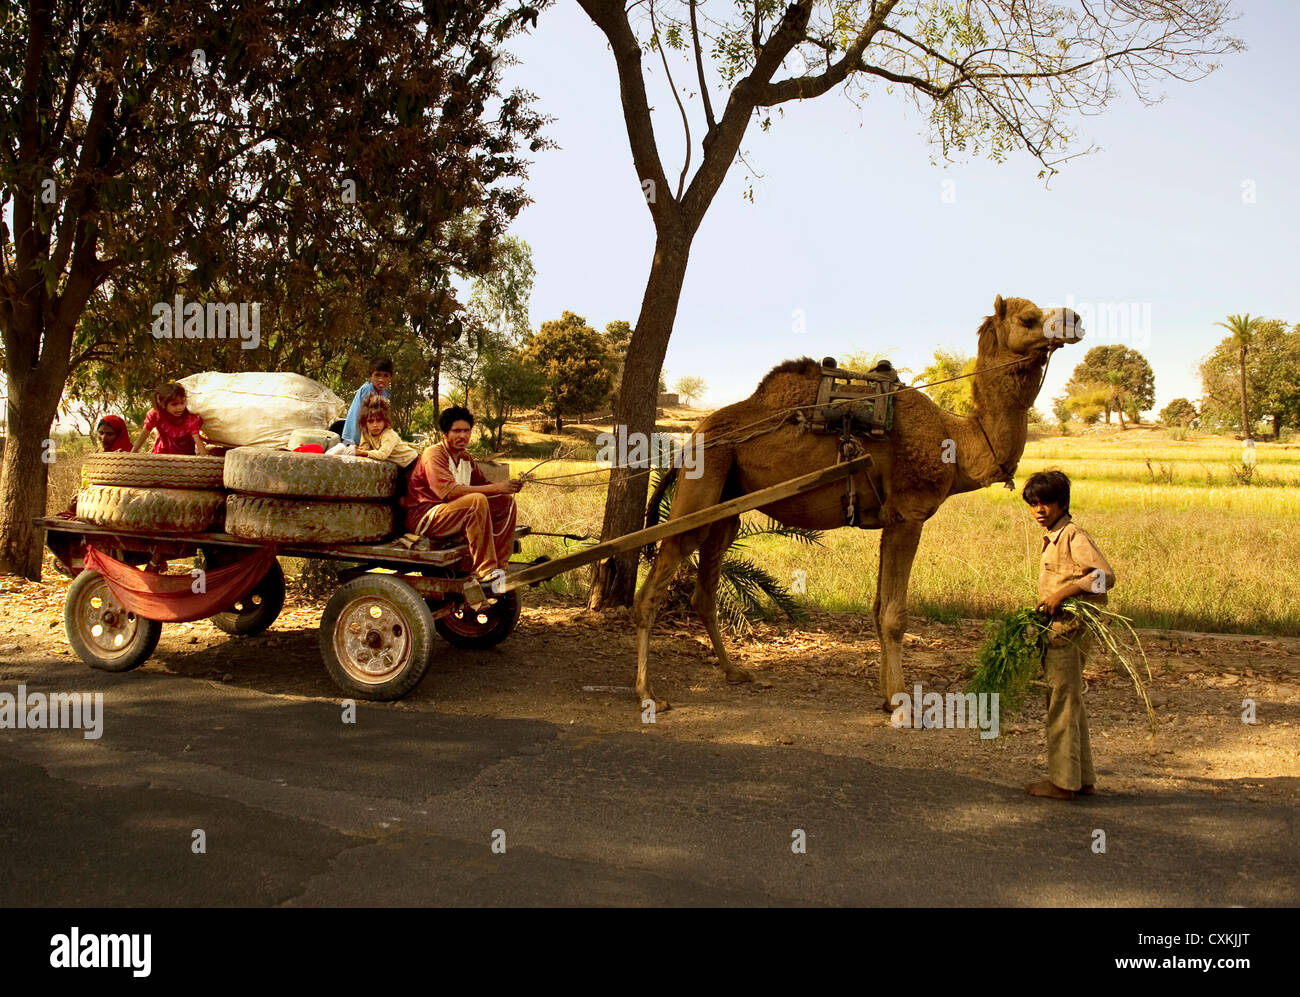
(104,635)
(257,610)
(376,635)
(479,629)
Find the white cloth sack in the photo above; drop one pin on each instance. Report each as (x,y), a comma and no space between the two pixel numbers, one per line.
(259,409)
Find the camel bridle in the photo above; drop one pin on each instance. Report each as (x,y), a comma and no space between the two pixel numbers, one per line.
(1006,474)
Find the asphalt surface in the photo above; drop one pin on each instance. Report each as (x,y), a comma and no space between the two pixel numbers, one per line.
(403,807)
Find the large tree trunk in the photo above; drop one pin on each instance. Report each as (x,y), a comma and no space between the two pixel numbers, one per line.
(1245,413)
(638,391)
(23,482)
(676,221)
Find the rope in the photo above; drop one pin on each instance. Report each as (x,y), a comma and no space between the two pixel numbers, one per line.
(779,418)
(1007,476)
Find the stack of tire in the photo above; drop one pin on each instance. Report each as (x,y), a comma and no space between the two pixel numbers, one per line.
(296,497)
(160,493)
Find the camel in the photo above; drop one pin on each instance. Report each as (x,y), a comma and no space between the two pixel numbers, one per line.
(928,455)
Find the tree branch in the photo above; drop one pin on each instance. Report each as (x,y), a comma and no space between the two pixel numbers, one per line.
(686,124)
(95,352)
(611,18)
(699,68)
(73,81)
(804,87)
(27,278)
(735,119)
(81,195)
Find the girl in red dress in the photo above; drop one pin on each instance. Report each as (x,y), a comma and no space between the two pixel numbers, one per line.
(177,426)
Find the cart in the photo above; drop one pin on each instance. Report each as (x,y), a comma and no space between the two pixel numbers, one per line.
(378,630)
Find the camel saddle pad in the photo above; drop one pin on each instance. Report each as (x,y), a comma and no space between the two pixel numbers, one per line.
(861,404)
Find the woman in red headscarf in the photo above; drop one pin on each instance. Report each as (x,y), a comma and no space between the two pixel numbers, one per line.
(112,435)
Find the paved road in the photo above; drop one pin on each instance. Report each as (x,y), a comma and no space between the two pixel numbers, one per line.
(299,808)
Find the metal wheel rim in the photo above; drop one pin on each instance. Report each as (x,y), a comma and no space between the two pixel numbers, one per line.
(103,624)
(472,622)
(356,650)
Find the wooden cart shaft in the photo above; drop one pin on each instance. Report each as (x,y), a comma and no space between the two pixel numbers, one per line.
(694,520)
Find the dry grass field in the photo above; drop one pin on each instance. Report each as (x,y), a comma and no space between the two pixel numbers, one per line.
(1192,547)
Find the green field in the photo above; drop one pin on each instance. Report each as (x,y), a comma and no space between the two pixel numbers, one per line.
(1202,553)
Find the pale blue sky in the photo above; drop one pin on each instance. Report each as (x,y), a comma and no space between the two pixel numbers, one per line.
(849,224)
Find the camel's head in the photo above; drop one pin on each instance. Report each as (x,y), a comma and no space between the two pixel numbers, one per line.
(1022,327)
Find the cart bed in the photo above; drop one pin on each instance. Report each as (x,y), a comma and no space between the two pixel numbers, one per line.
(384,555)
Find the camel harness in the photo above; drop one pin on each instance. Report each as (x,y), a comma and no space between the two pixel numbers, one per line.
(853,405)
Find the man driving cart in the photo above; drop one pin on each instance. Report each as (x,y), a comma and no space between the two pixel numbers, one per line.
(448,495)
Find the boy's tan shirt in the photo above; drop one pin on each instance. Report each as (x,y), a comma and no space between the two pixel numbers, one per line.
(1069,555)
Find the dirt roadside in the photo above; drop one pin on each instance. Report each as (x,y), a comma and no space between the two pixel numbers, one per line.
(815,690)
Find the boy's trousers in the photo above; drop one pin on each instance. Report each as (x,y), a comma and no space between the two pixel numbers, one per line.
(1069,752)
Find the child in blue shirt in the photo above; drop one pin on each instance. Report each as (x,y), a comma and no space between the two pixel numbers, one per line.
(381,376)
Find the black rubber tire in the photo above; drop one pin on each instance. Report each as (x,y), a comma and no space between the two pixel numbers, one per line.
(263,471)
(304,521)
(257,610)
(154,470)
(477,630)
(396,623)
(160,510)
(138,636)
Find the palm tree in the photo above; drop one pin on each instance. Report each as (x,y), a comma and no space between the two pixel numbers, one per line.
(1243,329)
(745,590)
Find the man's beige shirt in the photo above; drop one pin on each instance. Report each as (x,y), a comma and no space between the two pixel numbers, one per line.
(1069,555)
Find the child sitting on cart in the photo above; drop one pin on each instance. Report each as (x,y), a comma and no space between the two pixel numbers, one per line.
(449,495)
(380,441)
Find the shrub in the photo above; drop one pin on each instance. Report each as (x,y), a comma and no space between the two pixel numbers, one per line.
(314,578)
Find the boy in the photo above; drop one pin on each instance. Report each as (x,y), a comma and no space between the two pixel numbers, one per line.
(381,376)
(447,494)
(1071,566)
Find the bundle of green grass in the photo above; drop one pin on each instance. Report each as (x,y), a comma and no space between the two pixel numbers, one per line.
(1012,653)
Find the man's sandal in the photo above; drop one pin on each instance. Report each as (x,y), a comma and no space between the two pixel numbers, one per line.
(412,541)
